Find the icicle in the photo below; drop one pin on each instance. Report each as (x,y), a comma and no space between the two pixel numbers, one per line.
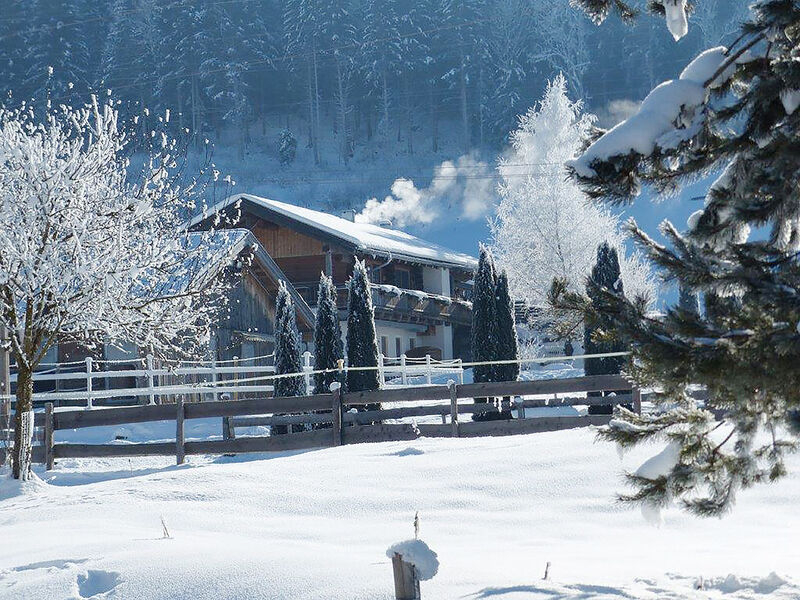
(677,23)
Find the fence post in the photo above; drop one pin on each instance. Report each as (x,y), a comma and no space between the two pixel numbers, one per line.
(89,403)
(5,422)
(49,458)
(306,369)
(637,400)
(235,377)
(460,372)
(150,381)
(336,412)
(520,405)
(403,375)
(381,371)
(180,449)
(428,369)
(406,584)
(214,393)
(453,406)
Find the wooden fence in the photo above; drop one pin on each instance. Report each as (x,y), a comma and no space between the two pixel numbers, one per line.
(330,421)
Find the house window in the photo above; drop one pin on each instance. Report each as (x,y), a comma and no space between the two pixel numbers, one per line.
(398,346)
(402,278)
(384,345)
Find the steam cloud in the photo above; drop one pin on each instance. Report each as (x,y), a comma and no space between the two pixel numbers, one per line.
(465,186)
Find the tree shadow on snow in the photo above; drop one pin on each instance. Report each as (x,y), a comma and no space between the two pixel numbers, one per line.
(557,592)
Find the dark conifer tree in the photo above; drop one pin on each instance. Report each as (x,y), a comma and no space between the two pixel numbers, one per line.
(743,122)
(605,276)
(328,347)
(287,350)
(484,323)
(507,345)
(362,346)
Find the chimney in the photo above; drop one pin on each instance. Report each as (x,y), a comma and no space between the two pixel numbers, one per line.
(349,215)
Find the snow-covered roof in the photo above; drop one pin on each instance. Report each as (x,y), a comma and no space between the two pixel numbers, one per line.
(362,237)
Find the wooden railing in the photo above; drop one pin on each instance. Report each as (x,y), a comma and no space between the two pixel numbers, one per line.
(335,425)
(138,381)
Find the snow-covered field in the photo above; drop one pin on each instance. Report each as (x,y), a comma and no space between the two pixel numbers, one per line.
(317,524)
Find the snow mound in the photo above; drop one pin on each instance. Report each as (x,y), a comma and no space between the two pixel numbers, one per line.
(733,584)
(417,552)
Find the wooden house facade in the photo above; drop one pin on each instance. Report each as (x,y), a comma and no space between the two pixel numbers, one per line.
(420,290)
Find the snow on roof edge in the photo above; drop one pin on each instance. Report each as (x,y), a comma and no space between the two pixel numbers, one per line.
(366,238)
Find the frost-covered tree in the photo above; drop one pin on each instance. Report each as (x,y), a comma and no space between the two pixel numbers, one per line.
(287,351)
(674,11)
(362,345)
(732,110)
(328,347)
(544,228)
(287,346)
(92,250)
(287,147)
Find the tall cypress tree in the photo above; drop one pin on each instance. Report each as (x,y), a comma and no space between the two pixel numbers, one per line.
(485,331)
(287,350)
(362,345)
(507,345)
(606,278)
(328,346)
(741,119)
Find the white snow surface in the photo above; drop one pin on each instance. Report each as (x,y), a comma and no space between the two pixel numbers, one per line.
(366,237)
(419,554)
(316,525)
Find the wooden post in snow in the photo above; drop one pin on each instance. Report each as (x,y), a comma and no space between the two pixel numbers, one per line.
(406,584)
(453,406)
(5,366)
(637,400)
(336,412)
(180,437)
(49,430)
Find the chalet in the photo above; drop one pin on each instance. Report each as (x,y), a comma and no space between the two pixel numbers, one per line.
(420,290)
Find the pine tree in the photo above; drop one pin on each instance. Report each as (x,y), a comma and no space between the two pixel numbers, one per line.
(362,345)
(736,112)
(328,347)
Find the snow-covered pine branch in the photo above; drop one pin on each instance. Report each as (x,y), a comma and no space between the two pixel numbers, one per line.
(90,252)
(544,228)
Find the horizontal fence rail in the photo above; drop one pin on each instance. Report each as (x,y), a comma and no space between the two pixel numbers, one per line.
(138,381)
(338,418)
